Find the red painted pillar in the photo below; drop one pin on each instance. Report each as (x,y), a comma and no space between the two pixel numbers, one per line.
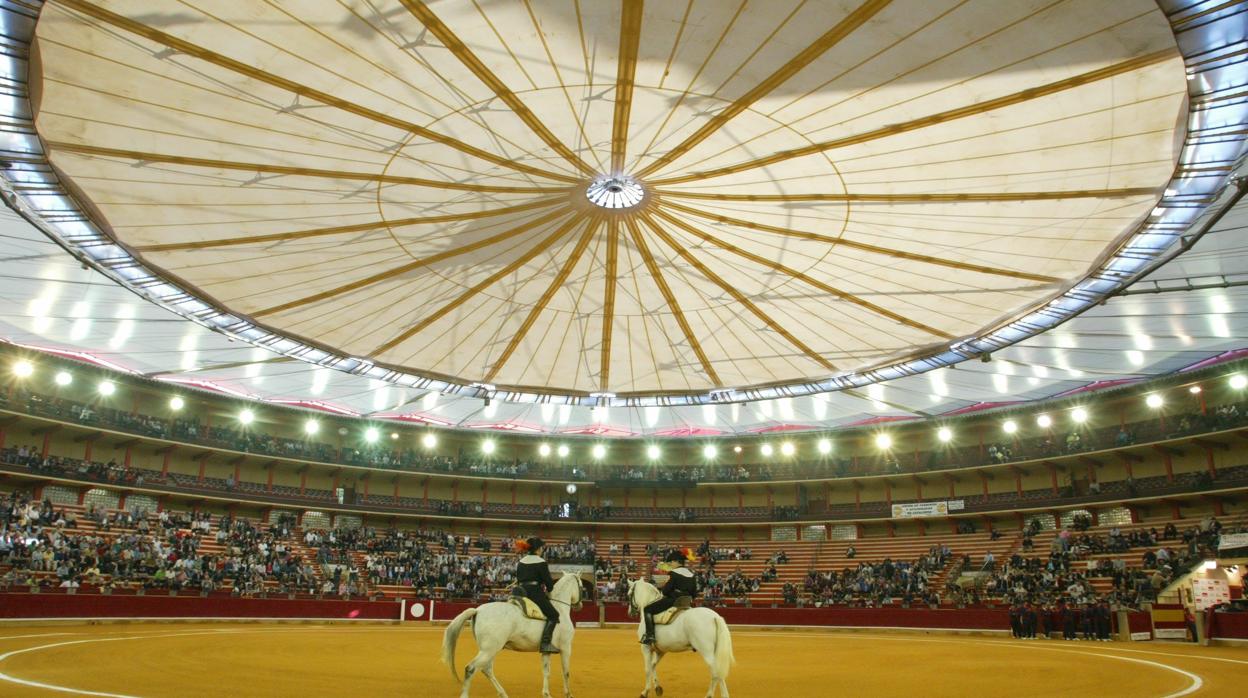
(1175,512)
(367,482)
(712,493)
(892,532)
(425,495)
(203,465)
(1166,460)
(1053,477)
(47,443)
(1018,482)
(455,490)
(1218,510)
(129,454)
(396,493)
(485,490)
(121,502)
(82,495)
(888,493)
(268,485)
(337,479)
(164,464)
(303,481)
(513,493)
(86,455)
(3,435)
(1213,470)
(740,500)
(857,497)
(1057,521)
(238,473)
(951,495)
(918,490)
(983,479)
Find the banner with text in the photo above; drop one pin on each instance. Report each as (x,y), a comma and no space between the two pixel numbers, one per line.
(911,510)
(1231,541)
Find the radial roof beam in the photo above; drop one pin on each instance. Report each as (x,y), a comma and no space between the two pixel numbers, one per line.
(465,55)
(554,286)
(830,38)
(145,157)
(655,273)
(876,249)
(789,271)
(955,197)
(492,279)
(626,69)
(608,301)
(412,266)
(182,46)
(737,295)
(1020,97)
(345,229)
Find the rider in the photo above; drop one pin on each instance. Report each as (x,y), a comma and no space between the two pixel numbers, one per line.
(680,582)
(533,576)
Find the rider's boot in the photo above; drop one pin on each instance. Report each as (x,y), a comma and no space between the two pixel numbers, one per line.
(547,632)
(649,638)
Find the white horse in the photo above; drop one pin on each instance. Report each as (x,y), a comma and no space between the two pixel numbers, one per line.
(500,625)
(700,629)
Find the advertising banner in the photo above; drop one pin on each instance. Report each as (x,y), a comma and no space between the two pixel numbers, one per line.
(913,510)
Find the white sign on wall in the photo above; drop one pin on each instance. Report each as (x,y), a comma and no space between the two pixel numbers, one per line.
(1210,592)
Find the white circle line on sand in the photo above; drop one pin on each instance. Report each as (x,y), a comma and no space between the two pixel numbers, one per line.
(63,689)
(1195,685)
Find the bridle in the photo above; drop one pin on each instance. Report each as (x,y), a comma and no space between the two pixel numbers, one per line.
(575,604)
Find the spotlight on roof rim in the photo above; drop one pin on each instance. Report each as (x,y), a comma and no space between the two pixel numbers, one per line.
(1194,390)
(429,440)
(883,442)
(599,451)
(765,449)
(1079,414)
(1010,426)
(64,378)
(1044,421)
(709,452)
(371,435)
(653,452)
(107,388)
(488,446)
(825,446)
(176,402)
(787,448)
(311,427)
(23,369)
(562,450)
(246,416)
(543,450)
(1239,381)
(1154,400)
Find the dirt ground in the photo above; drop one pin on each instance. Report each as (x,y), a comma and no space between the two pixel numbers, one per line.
(254,659)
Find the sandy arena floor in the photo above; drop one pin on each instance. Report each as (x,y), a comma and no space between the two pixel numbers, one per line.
(192,659)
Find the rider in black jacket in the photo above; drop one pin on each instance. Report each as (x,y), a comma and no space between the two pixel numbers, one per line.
(533,576)
(680,582)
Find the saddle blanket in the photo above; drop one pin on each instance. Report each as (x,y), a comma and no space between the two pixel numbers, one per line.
(527,607)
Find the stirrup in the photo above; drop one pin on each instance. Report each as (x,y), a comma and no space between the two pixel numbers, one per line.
(548,648)
(648,640)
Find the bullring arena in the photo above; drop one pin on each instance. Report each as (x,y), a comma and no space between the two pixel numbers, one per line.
(181,659)
(811,347)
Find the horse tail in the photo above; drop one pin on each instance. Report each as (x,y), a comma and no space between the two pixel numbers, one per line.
(723,648)
(451,636)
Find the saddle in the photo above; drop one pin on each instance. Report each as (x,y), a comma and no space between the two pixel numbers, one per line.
(525,604)
(683,603)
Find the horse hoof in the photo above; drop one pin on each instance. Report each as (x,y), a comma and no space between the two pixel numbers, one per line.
(658,690)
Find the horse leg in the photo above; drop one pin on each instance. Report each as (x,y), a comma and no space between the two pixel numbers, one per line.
(488,670)
(649,665)
(708,655)
(481,662)
(546,676)
(565,658)
(658,656)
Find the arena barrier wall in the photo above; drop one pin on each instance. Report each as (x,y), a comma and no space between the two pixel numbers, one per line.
(19,606)
(913,618)
(1228,626)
